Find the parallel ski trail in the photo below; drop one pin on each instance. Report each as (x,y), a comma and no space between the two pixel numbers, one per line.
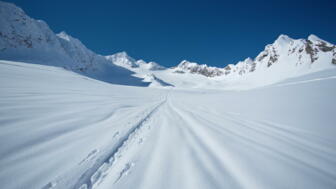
(94,174)
(199,124)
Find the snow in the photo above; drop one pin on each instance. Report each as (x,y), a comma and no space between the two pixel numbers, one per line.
(283,59)
(155,82)
(60,129)
(25,39)
(51,120)
(122,59)
(314,38)
(193,67)
(71,118)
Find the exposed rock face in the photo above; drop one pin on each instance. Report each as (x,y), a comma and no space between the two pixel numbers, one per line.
(284,52)
(20,31)
(192,67)
(27,39)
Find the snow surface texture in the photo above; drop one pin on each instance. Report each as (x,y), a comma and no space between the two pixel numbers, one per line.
(62,126)
(64,130)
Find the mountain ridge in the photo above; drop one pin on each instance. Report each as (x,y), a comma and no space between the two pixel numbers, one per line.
(25,39)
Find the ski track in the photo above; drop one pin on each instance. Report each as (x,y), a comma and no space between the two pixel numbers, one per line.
(93,176)
(199,146)
(317,157)
(201,154)
(96,135)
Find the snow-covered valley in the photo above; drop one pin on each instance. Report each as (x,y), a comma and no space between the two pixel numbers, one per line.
(71,118)
(63,130)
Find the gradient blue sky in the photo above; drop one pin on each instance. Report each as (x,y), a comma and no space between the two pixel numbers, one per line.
(208,32)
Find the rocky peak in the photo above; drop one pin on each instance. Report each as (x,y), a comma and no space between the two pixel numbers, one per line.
(203,69)
(19,31)
(122,59)
(283,40)
(288,53)
(313,38)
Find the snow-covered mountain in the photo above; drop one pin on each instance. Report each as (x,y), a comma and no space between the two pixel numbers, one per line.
(285,58)
(62,128)
(285,55)
(192,67)
(142,69)
(124,60)
(25,39)
(293,56)
(28,40)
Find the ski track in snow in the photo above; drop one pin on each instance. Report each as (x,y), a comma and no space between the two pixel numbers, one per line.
(266,122)
(92,177)
(201,154)
(88,134)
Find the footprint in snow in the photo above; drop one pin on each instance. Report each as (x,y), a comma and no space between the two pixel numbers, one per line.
(125,171)
(50,185)
(116,134)
(90,156)
(140,141)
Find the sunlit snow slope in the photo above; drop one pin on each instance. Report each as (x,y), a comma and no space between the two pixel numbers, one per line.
(59,129)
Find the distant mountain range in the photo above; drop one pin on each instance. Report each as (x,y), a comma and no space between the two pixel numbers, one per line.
(25,39)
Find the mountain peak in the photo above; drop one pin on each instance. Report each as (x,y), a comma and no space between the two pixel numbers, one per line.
(283,39)
(248,60)
(314,38)
(186,64)
(122,59)
(64,35)
(122,53)
(202,69)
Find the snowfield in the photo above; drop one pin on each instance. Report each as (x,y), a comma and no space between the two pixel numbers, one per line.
(59,129)
(74,119)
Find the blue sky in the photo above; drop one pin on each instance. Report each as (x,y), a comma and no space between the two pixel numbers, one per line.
(209,32)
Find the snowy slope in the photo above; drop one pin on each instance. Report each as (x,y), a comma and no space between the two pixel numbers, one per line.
(195,127)
(285,58)
(63,130)
(142,69)
(56,124)
(25,39)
